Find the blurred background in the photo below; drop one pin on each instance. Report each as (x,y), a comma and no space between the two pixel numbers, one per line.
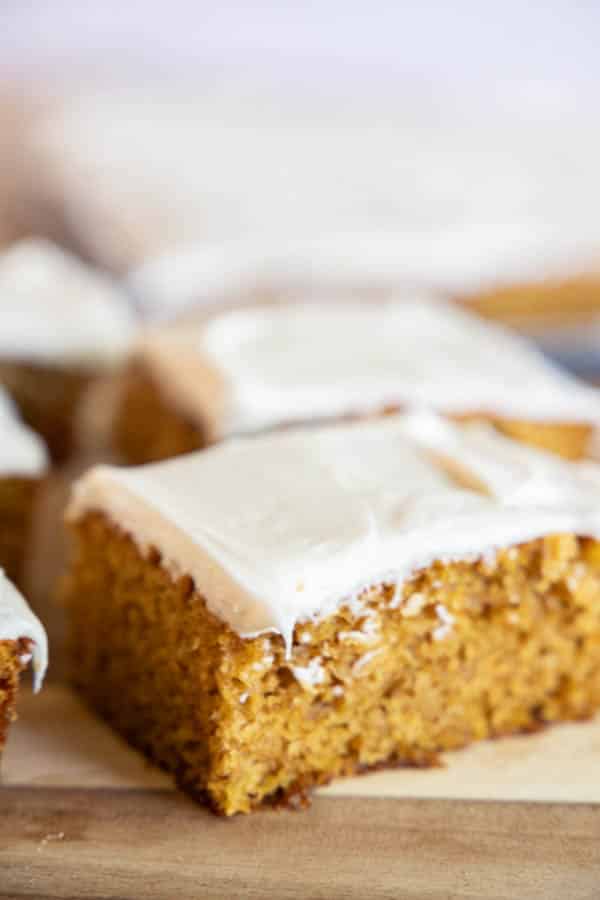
(381,113)
(133,130)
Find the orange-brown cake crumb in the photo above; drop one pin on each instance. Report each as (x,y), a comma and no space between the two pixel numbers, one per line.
(148,427)
(464,651)
(14,656)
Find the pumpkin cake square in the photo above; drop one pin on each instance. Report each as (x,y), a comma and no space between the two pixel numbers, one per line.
(22,639)
(277,611)
(266,366)
(23,466)
(62,325)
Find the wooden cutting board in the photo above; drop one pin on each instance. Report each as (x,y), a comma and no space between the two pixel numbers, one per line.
(82,815)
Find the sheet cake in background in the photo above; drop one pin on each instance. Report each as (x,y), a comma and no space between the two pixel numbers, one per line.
(266,366)
(62,325)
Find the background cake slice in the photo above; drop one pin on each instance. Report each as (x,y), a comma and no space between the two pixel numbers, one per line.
(526,274)
(22,639)
(23,466)
(61,326)
(267,366)
(273,612)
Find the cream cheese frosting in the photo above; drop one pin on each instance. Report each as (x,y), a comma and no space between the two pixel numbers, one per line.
(55,310)
(460,261)
(17,621)
(7,407)
(22,451)
(286,527)
(258,367)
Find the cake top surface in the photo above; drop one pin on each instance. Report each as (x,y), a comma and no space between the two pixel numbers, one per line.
(17,621)
(294,362)
(462,261)
(56,310)
(287,527)
(22,451)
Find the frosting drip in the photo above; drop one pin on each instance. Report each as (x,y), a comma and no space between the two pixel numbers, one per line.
(285,528)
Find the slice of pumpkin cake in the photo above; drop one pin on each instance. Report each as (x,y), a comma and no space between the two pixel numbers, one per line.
(273,612)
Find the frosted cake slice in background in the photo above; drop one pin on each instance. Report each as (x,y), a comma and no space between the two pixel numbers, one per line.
(23,466)
(61,326)
(267,366)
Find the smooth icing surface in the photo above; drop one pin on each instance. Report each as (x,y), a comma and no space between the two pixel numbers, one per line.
(286,527)
(283,363)
(22,451)
(461,260)
(18,621)
(56,310)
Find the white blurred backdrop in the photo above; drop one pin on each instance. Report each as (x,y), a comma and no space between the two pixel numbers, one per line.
(545,54)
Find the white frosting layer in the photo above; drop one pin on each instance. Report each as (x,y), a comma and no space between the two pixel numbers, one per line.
(22,451)
(286,527)
(294,363)
(462,261)
(7,407)
(18,621)
(56,310)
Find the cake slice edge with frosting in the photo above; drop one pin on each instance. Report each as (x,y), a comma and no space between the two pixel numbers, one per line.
(277,611)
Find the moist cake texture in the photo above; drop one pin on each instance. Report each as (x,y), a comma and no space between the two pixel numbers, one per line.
(23,465)
(61,326)
(263,367)
(22,638)
(274,612)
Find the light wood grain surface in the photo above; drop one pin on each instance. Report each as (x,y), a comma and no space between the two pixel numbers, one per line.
(83,815)
(157,844)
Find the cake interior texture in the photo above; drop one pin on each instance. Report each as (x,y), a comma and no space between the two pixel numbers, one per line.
(48,399)
(146,427)
(17,498)
(13,656)
(149,428)
(462,651)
